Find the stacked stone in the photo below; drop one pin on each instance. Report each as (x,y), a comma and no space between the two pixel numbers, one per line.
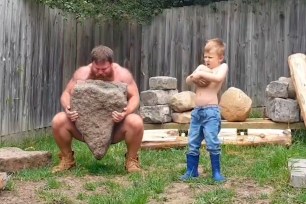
(155,101)
(282,105)
(182,104)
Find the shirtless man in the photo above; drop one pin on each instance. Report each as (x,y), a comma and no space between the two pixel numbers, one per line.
(128,127)
(205,118)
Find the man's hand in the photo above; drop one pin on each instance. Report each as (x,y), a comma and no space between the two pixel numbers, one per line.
(118,117)
(72,115)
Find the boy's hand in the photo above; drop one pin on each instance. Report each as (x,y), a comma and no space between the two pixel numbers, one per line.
(197,80)
(201,83)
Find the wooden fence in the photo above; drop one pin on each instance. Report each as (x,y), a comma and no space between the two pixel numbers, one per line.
(259,36)
(40,48)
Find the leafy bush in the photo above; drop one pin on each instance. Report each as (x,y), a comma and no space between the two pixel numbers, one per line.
(139,10)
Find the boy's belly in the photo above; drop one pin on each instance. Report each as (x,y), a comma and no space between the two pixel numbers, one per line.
(206,97)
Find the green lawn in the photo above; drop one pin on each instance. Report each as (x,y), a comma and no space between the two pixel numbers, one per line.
(255,175)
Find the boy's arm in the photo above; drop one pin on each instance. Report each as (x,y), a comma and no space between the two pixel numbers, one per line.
(213,77)
(190,79)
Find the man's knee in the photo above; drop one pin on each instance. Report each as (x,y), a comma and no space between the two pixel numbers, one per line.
(59,120)
(134,122)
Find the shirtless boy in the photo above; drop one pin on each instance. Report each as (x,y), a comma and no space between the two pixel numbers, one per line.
(205,118)
(129,126)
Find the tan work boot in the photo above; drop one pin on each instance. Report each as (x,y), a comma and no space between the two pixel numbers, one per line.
(132,164)
(66,162)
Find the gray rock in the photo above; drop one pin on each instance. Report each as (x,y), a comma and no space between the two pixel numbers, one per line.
(283,110)
(95,101)
(291,89)
(297,168)
(155,114)
(13,159)
(277,89)
(156,97)
(162,83)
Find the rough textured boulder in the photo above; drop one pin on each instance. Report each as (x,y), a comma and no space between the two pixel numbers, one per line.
(291,89)
(277,89)
(184,117)
(155,114)
(183,101)
(13,159)
(235,105)
(283,110)
(95,101)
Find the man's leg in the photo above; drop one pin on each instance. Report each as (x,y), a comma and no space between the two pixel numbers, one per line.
(130,130)
(63,132)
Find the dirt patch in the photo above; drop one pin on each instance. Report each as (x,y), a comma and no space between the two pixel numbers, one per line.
(246,191)
(28,192)
(25,192)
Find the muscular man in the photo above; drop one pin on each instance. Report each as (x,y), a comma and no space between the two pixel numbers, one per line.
(128,125)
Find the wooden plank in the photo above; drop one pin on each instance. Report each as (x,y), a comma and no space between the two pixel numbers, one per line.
(297,64)
(248,124)
(228,136)
(160,135)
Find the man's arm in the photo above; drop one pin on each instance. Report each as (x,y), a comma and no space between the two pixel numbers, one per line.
(132,95)
(66,95)
(213,77)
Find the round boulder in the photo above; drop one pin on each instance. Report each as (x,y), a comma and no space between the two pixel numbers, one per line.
(235,105)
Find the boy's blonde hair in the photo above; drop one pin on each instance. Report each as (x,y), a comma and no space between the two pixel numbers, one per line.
(215,45)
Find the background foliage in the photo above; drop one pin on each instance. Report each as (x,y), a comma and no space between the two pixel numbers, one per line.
(139,10)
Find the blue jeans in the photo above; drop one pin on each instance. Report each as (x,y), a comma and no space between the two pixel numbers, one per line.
(205,124)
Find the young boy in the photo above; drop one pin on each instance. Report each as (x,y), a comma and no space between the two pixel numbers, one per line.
(205,118)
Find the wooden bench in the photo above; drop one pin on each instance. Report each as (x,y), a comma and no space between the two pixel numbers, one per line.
(252,123)
(246,133)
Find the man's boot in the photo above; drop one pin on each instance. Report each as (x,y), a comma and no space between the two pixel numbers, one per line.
(192,167)
(216,169)
(132,164)
(66,162)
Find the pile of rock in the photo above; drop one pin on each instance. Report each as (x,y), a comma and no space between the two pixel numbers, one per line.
(182,104)
(282,105)
(155,101)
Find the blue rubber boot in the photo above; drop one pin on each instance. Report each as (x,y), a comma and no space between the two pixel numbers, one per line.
(216,169)
(192,167)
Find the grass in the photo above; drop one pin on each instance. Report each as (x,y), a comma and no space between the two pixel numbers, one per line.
(105,181)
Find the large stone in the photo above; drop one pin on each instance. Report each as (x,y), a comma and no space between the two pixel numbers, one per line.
(95,101)
(277,89)
(184,117)
(156,97)
(4,177)
(155,114)
(283,110)
(297,168)
(183,101)
(162,83)
(13,159)
(235,105)
(291,89)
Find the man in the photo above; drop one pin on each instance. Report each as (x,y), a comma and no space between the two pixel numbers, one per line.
(128,125)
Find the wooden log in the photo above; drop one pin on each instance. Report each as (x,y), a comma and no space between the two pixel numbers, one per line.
(251,123)
(297,65)
(255,137)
